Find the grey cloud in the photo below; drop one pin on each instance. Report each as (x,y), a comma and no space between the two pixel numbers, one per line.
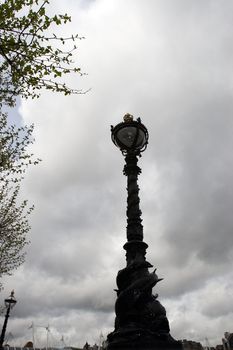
(169,63)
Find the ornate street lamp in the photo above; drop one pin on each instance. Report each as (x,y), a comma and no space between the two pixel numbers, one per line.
(9,303)
(141,321)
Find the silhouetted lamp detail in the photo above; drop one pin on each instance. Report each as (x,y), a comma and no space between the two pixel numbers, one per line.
(130,136)
(141,321)
(9,304)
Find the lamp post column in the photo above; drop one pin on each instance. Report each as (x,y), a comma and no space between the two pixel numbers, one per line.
(10,302)
(4,327)
(135,247)
(134,226)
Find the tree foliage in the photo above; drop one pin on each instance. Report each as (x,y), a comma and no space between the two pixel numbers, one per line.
(32,56)
(14,225)
(14,157)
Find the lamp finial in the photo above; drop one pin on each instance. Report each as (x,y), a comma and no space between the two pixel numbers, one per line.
(128,118)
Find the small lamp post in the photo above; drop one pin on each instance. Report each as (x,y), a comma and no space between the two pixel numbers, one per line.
(9,303)
(141,321)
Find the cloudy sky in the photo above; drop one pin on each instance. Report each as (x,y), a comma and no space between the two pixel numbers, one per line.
(169,62)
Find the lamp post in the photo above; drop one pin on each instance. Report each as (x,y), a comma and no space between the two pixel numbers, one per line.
(9,303)
(141,321)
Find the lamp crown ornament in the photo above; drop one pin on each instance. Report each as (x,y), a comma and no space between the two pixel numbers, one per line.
(141,321)
(128,118)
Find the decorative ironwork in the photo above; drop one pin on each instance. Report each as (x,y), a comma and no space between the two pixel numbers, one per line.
(139,135)
(134,226)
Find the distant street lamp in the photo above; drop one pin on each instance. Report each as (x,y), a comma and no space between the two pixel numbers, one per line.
(141,321)
(9,303)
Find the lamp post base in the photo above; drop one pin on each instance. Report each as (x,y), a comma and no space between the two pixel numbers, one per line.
(141,340)
(141,322)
